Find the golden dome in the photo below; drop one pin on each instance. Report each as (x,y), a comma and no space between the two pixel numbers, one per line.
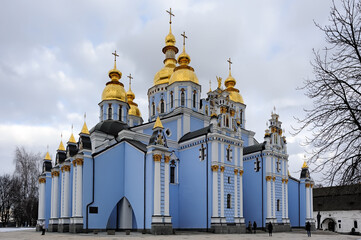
(234,95)
(133,110)
(304,165)
(170,39)
(47,156)
(158,124)
(184,72)
(85,130)
(72,139)
(114,90)
(163,75)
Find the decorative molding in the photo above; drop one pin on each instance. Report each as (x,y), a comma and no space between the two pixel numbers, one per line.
(166,159)
(240,172)
(42,180)
(74,162)
(214,168)
(268,178)
(307,185)
(235,171)
(79,161)
(65,168)
(274,178)
(55,174)
(222,168)
(157,157)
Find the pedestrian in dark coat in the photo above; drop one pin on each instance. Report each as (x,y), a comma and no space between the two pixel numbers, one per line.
(308,229)
(250,227)
(270,228)
(42,225)
(254,227)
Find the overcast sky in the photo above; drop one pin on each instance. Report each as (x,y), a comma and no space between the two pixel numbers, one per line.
(55,57)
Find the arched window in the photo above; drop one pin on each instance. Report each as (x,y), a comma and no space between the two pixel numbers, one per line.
(110,111)
(182,98)
(241,116)
(194,99)
(171,99)
(153,108)
(278,204)
(172,174)
(228,200)
(162,106)
(120,113)
(355,224)
(207,110)
(227,121)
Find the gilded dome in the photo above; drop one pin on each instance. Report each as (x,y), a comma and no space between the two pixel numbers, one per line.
(163,75)
(183,73)
(234,95)
(114,90)
(170,39)
(133,110)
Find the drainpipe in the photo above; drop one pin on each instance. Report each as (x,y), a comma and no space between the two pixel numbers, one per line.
(207,178)
(87,206)
(262,188)
(145,168)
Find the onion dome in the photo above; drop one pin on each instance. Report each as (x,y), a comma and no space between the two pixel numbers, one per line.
(170,50)
(230,82)
(267,133)
(184,72)
(133,110)
(114,89)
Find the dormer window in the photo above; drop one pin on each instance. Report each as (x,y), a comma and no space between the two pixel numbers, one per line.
(153,108)
(171,99)
(120,113)
(182,98)
(194,99)
(162,106)
(110,112)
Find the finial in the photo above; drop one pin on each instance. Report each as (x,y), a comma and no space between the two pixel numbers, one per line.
(267,124)
(72,139)
(274,109)
(170,15)
(158,124)
(230,63)
(210,85)
(184,39)
(130,80)
(115,58)
(84,116)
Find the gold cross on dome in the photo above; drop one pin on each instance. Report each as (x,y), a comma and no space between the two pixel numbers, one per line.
(230,63)
(115,55)
(184,38)
(170,15)
(130,79)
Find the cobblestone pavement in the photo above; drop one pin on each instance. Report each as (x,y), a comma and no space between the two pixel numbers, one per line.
(299,235)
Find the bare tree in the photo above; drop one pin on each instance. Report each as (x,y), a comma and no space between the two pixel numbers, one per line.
(334,119)
(6,198)
(27,171)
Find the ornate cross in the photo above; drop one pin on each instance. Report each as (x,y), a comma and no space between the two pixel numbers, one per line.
(130,79)
(115,56)
(230,63)
(184,38)
(202,152)
(257,166)
(170,15)
(210,85)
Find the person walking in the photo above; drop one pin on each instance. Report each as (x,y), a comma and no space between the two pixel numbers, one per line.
(42,225)
(270,228)
(254,226)
(250,227)
(308,229)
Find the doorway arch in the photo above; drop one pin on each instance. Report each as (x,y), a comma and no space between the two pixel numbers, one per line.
(122,216)
(329,224)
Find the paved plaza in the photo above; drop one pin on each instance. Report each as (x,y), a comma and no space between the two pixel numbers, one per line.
(296,235)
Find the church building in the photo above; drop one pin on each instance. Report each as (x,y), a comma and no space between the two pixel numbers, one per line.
(193,165)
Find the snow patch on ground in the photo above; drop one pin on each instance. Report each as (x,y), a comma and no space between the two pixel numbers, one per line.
(15,229)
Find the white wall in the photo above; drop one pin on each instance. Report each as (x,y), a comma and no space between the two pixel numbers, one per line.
(346,219)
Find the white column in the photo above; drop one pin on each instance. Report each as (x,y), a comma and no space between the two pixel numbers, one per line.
(274,197)
(307,200)
(269,213)
(311,200)
(222,191)
(241,193)
(189,97)
(215,191)
(166,185)
(286,188)
(55,203)
(235,193)
(157,158)
(73,201)
(79,188)
(176,97)
(283,199)
(66,191)
(41,210)
(52,197)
